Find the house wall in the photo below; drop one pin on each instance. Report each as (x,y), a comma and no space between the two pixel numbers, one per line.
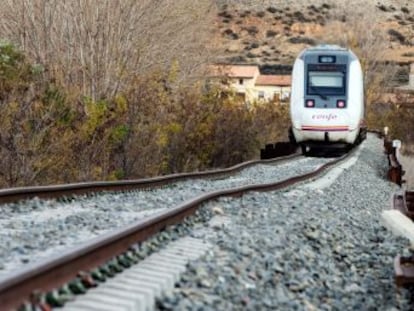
(270,91)
(247,88)
(250,91)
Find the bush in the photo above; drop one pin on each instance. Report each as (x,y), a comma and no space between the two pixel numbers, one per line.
(383,8)
(396,36)
(252,30)
(261,14)
(245,13)
(48,136)
(271,33)
(304,40)
(272,10)
(228,33)
(236,59)
(225,15)
(313,8)
(300,17)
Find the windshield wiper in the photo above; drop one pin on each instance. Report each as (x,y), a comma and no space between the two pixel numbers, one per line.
(324,97)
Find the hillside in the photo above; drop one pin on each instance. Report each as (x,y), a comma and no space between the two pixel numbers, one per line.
(274,32)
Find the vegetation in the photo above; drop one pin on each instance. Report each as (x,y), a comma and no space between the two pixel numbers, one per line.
(157,123)
(111,89)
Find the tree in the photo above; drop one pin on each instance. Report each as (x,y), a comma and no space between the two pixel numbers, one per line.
(96,47)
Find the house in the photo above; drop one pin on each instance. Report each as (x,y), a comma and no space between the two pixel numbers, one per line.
(250,85)
(273,87)
(241,78)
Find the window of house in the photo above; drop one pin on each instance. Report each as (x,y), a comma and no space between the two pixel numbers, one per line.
(285,96)
(241,81)
(261,94)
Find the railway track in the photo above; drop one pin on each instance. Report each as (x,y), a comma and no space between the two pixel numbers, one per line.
(76,189)
(54,272)
(159,267)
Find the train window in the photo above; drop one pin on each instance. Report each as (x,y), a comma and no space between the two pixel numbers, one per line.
(327,59)
(326,82)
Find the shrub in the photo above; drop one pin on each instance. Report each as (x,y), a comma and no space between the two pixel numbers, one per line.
(300,17)
(245,13)
(383,8)
(228,33)
(272,10)
(304,40)
(321,20)
(396,36)
(401,75)
(252,30)
(271,33)
(405,10)
(313,8)
(225,15)
(251,55)
(237,59)
(261,14)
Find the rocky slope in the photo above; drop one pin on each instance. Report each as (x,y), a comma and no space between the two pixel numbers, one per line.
(274,32)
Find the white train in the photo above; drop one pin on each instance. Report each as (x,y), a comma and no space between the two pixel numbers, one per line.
(327,99)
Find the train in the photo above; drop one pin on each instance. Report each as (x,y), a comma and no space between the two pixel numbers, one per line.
(327,99)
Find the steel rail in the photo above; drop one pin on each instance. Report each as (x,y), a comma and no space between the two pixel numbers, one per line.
(69,190)
(52,273)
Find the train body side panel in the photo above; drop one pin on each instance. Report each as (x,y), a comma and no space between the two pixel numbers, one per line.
(355,95)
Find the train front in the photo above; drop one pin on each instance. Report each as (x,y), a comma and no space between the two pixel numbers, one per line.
(327,98)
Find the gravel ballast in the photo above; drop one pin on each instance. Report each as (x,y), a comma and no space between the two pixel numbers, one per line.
(305,248)
(37,229)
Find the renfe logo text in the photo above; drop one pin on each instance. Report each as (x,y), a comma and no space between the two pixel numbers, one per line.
(327,117)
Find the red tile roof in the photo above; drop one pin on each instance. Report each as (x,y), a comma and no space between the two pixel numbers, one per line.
(277,80)
(234,71)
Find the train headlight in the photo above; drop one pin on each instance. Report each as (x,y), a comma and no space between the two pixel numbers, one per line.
(310,103)
(341,103)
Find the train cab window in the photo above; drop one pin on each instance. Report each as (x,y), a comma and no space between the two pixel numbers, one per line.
(326,82)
